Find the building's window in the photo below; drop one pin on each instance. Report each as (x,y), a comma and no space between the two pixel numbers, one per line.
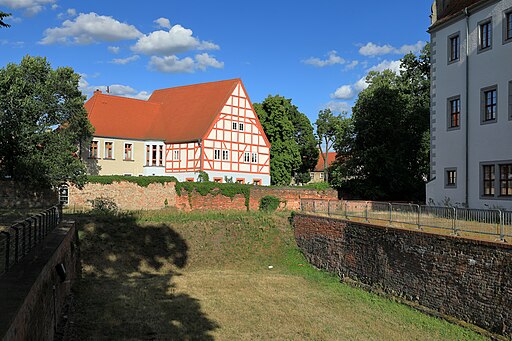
(489,178)
(485,39)
(64,194)
(240,181)
(216,154)
(148,155)
(489,104)
(93,150)
(109,150)
(153,154)
(322,175)
(451,177)
(254,157)
(311,175)
(241,126)
(235,126)
(454,110)
(218,180)
(189,179)
(507,26)
(160,155)
(225,155)
(256,182)
(176,155)
(128,151)
(506,180)
(454,48)
(247,157)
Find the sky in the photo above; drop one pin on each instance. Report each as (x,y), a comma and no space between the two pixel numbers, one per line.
(317,53)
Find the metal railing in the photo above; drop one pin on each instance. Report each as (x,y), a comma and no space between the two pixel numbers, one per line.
(456,220)
(21,237)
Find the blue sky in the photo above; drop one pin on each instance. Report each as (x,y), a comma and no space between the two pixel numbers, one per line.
(315,52)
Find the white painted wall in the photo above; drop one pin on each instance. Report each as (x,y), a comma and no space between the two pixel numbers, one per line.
(487,142)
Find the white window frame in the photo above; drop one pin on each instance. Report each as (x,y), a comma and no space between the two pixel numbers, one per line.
(176,155)
(124,151)
(225,155)
(247,157)
(235,125)
(105,150)
(254,157)
(216,154)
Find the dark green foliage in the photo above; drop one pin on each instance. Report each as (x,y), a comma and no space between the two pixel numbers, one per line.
(214,188)
(388,147)
(293,147)
(142,181)
(42,122)
(269,203)
(203,177)
(2,16)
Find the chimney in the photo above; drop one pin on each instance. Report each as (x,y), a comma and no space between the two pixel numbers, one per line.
(97,91)
(108,89)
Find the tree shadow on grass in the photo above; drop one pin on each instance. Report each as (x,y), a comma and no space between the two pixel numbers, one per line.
(127,291)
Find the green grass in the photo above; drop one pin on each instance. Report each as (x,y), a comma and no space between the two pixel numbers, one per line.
(169,275)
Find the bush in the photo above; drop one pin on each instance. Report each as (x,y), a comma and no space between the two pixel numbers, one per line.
(203,177)
(269,203)
(142,181)
(103,205)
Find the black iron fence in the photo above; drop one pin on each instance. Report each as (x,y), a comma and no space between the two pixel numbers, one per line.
(20,238)
(475,221)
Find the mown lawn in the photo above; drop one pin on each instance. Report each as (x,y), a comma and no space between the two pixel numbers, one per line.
(202,276)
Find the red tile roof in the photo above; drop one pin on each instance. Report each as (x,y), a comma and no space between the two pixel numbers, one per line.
(180,114)
(331,156)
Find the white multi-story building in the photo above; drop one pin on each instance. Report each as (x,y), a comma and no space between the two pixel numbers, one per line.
(471,104)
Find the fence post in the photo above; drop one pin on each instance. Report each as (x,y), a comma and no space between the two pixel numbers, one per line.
(346,213)
(454,222)
(314,206)
(390,205)
(366,211)
(502,229)
(328,208)
(7,249)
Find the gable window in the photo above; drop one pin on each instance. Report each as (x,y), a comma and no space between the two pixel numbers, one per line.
(128,151)
(506,180)
(451,178)
(507,26)
(247,157)
(93,150)
(241,126)
(454,48)
(235,125)
(454,111)
(225,155)
(489,104)
(109,150)
(176,155)
(216,154)
(488,180)
(254,157)
(485,38)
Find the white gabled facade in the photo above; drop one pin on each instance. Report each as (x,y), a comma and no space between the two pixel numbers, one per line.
(471,105)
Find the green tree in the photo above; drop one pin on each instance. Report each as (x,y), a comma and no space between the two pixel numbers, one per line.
(328,126)
(293,149)
(2,16)
(42,123)
(388,149)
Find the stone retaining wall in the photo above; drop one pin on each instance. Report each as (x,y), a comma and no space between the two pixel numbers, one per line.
(467,279)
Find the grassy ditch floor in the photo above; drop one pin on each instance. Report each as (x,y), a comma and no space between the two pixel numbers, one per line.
(202,276)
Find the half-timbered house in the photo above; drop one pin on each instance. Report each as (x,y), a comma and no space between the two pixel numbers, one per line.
(210,127)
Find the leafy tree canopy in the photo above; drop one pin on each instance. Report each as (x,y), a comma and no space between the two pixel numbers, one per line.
(42,122)
(290,133)
(388,141)
(2,16)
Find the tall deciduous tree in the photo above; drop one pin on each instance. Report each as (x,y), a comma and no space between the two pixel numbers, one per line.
(388,151)
(290,133)
(2,16)
(327,128)
(42,122)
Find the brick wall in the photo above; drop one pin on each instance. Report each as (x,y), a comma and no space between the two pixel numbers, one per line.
(18,195)
(130,196)
(470,280)
(127,195)
(32,294)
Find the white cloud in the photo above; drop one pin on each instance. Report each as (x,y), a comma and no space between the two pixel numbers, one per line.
(124,61)
(115,89)
(371,49)
(70,13)
(338,107)
(166,43)
(114,49)
(30,7)
(332,59)
(54,7)
(344,92)
(204,60)
(173,64)
(90,28)
(393,65)
(351,65)
(163,22)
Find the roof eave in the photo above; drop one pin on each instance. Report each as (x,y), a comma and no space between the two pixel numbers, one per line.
(443,22)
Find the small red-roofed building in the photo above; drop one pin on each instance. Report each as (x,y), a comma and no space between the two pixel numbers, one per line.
(317,175)
(210,127)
